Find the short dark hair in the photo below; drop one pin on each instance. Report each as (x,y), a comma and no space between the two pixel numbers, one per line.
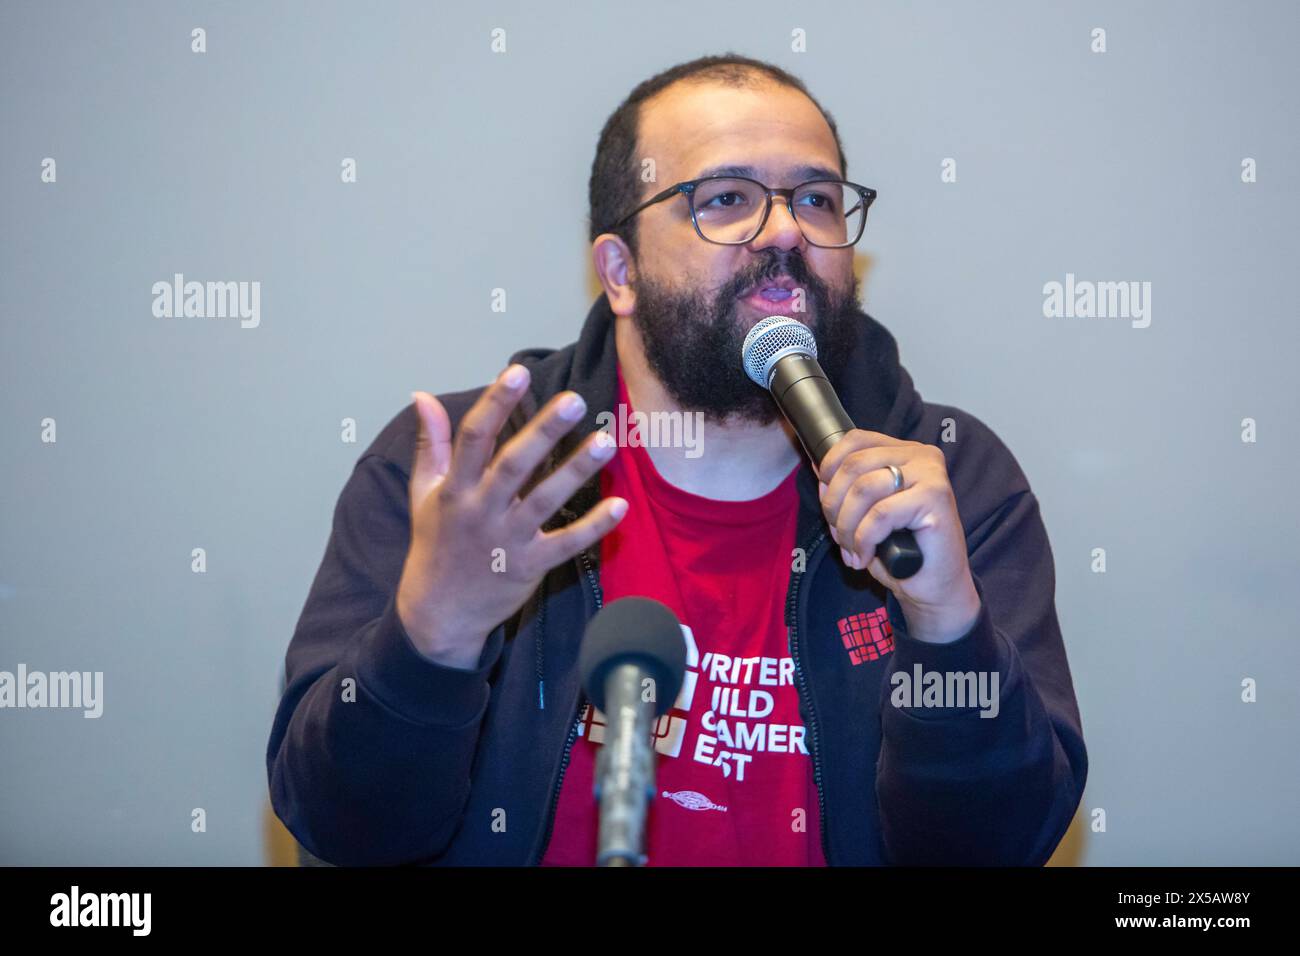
(614,189)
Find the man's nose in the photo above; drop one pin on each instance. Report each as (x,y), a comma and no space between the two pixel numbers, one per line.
(781,229)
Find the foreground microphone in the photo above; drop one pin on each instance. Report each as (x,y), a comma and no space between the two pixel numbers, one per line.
(780,354)
(632,663)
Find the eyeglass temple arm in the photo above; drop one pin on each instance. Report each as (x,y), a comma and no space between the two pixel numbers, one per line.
(670,191)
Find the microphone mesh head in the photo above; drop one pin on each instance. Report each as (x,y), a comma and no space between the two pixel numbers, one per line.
(771,340)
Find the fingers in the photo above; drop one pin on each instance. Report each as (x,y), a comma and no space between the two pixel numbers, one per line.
(553,491)
(477,434)
(556,547)
(863,464)
(858,500)
(854,441)
(525,450)
(432,445)
(906,509)
(861,480)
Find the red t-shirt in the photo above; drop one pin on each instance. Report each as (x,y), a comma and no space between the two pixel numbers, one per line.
(733,778)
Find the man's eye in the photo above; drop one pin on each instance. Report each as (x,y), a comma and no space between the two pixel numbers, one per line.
(737,196)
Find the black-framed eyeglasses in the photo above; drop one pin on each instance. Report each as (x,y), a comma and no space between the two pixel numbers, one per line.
(732,210)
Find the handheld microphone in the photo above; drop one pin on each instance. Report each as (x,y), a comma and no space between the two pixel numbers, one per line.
(632,663)
(780,354)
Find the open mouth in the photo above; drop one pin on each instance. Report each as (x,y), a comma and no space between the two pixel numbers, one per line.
(773,290)
(771,294)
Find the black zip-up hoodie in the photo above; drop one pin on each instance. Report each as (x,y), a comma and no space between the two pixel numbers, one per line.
(378,755)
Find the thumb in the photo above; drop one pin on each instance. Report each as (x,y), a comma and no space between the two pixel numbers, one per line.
(432,446)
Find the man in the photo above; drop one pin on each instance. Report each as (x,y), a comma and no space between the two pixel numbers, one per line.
(432,712)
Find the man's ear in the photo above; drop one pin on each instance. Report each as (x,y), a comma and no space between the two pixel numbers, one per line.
(615,268)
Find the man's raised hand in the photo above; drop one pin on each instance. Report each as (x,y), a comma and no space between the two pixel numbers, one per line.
(477,549)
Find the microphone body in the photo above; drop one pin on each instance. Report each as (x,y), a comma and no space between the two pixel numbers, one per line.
(625,775)
(632,662)
(780,354)
(806,398)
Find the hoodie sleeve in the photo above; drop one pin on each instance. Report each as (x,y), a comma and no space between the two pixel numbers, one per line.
(956,787)
(370,752)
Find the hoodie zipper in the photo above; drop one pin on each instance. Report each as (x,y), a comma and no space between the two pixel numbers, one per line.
(573,723)
(792,615)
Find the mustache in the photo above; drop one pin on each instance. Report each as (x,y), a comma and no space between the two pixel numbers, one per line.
(775,265)
(819,297)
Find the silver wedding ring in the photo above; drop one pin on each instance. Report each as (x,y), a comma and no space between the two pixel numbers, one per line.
(898,476)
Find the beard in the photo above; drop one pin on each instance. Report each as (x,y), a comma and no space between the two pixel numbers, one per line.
(693,342)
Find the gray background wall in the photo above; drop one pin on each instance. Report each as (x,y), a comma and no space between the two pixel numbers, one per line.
(182,433)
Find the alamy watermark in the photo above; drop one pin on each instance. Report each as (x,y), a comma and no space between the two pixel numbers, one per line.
(961,689)
(1085,299)
(36,689)
(632,429)
(75,908)
(208,300)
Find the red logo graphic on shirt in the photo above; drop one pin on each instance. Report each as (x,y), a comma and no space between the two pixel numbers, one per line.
(868,637)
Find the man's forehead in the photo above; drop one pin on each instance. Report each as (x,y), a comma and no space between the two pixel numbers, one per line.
(772,133)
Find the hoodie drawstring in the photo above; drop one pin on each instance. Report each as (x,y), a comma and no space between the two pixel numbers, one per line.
(541,642)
